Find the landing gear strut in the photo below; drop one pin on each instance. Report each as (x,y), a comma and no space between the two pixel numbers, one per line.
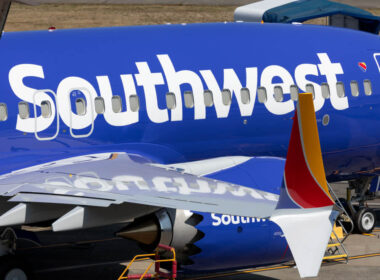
(364,217)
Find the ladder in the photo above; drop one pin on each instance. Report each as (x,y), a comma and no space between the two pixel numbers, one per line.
(335,249)
(155,259)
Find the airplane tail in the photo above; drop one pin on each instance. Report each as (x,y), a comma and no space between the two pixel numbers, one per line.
(304,211)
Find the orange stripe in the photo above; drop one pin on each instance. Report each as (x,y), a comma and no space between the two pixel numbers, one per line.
(311,144)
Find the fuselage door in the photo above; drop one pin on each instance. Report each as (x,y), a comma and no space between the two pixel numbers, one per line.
(81,112)
(46,115)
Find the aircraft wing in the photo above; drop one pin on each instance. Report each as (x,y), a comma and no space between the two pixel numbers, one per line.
(114,187)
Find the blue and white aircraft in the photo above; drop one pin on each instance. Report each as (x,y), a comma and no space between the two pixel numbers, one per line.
(183,131)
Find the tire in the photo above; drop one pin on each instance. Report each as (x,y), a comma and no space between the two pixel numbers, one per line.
(12,268)
(365,220)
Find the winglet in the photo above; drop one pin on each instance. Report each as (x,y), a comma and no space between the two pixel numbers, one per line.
(304,210)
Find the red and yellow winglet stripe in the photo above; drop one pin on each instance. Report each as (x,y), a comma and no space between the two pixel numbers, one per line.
(305,179)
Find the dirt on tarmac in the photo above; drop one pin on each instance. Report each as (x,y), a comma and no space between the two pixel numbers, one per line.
(61,16)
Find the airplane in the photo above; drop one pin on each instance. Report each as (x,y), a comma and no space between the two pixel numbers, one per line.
(179,134)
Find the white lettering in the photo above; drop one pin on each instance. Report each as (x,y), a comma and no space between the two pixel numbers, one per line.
(122,118)
(16,77)
(148,81)
(177,78)
(269,73)
(330,70)
(300,75)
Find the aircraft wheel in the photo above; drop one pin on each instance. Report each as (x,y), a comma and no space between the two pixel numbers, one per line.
(11,268)
(365,220)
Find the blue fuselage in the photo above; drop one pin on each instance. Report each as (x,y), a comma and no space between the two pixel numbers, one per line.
(151,61)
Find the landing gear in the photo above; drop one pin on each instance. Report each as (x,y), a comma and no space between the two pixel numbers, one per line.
(365,220)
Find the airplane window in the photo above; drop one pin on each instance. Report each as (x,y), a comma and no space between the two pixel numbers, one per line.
(189,99)
(310,88)
(340,89)
(245,97)
(208,98)
(46,109)
(294,91)
(226,96)
(99,105)
(3,112)
(354,88)
(170,101)
(116,103)
(367,87)
(80,106)
(134,102)
(262,94)
(325,88)
(23,110)
(278,94)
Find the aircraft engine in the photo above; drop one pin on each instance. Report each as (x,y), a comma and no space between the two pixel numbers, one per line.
(205,241)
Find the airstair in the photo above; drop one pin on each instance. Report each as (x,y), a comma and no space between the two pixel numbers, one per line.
(154,258)
(335,249)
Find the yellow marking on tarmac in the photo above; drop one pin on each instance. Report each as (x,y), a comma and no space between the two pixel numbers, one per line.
(368,234)
(333,257)
(280,267)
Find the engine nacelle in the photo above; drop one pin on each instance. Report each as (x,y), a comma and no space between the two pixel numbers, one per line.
(205,241)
